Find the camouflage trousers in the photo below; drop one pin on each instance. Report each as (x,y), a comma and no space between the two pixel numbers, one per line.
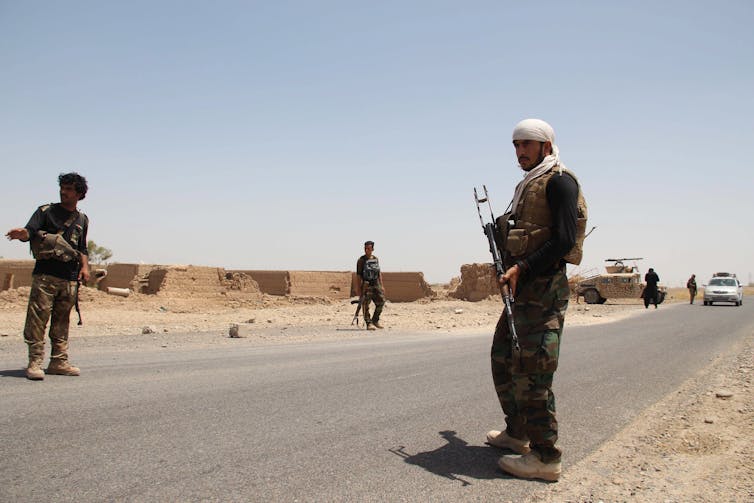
(523,380)
(373,293)
(49,297)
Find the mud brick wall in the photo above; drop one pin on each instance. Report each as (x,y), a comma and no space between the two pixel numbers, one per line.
(270,282)
(125,276)
(15,273)
(332,284)
(406,286)
(477,283)
(401,286)
(187,281)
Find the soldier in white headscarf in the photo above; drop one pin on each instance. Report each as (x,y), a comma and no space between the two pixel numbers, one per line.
(548,216)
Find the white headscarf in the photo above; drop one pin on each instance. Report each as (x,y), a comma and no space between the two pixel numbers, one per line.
(537,130)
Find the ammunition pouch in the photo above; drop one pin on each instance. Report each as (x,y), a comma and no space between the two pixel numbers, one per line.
(46,246)
(501,230)
(517,241)
(521,241)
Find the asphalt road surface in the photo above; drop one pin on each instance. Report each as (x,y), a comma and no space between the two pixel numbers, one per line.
(383,417)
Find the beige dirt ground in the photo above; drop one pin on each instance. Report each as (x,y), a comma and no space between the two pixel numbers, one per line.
(702,451)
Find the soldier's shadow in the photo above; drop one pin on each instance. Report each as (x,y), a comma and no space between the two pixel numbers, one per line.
(456,459)
(13,373)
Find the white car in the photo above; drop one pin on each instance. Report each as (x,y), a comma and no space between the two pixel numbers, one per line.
(723,289)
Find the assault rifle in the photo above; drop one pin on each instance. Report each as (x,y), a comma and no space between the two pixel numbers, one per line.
(355,319)
(490,229)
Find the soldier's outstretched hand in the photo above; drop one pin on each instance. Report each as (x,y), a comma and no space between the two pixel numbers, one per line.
(18,233)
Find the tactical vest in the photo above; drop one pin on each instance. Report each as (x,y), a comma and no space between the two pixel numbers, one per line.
(47,245)
(533,220)
(371,272)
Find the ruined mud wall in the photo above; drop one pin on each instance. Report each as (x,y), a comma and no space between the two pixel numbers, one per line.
(332,284)
(270,282)
(131,276)
(477,283)
(406,286)
(197,281)
(401,286)
(15,273)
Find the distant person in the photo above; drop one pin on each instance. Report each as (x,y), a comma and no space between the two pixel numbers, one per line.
(650,290)
(691,285)
(58,240)
(369,285)
(549,218)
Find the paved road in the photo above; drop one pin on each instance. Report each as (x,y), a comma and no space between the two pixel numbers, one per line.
(386,417)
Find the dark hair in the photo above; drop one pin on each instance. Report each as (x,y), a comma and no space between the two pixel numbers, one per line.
(78,181)
(369,243)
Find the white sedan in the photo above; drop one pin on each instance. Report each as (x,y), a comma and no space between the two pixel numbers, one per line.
(723,290)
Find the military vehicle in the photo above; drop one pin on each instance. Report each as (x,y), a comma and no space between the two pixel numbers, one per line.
(620,281)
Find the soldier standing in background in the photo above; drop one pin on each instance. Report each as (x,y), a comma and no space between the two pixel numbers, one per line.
(691,285)
(548,215)
(57,232)
(369,285)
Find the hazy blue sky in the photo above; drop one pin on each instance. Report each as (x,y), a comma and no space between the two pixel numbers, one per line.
(282,135)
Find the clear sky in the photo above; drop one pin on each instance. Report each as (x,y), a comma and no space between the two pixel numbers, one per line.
(282,135)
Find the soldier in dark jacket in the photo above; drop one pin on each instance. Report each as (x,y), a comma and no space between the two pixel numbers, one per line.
(650,290)
(549,218)
(691,285)
(58,271)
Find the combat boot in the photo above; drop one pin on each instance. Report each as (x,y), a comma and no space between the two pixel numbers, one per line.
(504,441)
(62,368)
(529,466)
(377,324)
(34,371)
(370,326)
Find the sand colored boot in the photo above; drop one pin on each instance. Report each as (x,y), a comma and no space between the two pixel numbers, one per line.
(370,326)
(34,371)
(62,368)
(529,466)
(377,324)
(504,441)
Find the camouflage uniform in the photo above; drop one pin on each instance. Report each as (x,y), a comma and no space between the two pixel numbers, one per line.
(49,296)
(523,382)
(373,292)
(54,284)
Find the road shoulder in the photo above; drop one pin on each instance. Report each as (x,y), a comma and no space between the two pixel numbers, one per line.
(695,445)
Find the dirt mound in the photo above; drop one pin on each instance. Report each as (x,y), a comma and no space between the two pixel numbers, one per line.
(11,299)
